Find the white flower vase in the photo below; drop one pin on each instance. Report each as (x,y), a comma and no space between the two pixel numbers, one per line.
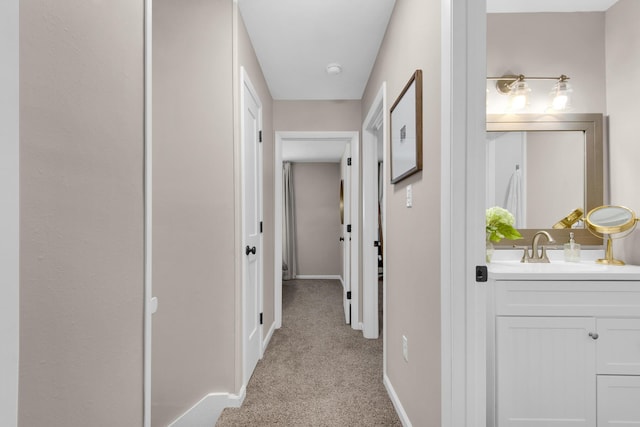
(490,249)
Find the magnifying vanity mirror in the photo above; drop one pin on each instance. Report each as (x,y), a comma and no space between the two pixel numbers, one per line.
(610,221)
(543,168)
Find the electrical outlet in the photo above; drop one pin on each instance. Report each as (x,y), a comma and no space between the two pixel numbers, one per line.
(409,196)
(405,349)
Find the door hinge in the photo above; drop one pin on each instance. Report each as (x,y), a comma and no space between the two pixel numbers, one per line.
(260,136)
(348,161)
(261,226)
(348,294)
(482,274)
(349,228)
(261,318)
(376,244)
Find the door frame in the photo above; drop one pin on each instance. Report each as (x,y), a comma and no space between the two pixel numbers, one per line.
(346,177)
(150,303)
(463,125)
(245,82)
(9,211)
(354,139)
(376,118)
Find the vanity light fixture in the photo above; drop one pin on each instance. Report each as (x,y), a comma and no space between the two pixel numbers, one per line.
(560,94)
(515,85)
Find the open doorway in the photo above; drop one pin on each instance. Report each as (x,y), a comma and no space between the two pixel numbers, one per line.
(317,147)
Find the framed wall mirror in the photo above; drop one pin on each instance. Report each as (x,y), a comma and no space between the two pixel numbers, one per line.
(542,167)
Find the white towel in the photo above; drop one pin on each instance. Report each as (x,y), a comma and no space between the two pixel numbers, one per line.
(513,200)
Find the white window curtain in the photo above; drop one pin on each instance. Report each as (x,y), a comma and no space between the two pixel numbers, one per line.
(289,258)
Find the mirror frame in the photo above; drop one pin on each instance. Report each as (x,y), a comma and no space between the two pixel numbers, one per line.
(592,126)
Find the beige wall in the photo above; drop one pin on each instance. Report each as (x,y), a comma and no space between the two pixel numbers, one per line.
(623,92)
(81,231)
(412,266)
(548,44)
(193,351)
(308,116)
(317,197)
(248,60)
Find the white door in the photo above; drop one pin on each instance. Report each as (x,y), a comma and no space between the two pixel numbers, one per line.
(545,371)
(345,195)
(251,228)
(372,136)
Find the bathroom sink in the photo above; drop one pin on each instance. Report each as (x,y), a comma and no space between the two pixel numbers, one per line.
(508,266)
(554,267)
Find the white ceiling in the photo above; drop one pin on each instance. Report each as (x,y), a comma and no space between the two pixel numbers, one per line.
(295,40)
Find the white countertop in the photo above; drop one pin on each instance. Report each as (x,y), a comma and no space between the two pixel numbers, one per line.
(506,265)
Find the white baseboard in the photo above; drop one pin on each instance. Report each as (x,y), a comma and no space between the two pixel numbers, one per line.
(318,276)
(342,282)
(206,412)
(404,419)
(267,339)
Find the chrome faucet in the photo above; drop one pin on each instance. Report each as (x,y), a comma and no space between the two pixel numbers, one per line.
(537,255)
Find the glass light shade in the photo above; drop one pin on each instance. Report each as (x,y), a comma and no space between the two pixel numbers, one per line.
(519,95)
(561,96)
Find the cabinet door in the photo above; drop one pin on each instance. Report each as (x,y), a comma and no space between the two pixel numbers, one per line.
(545,371)
(618,400)
(618,346)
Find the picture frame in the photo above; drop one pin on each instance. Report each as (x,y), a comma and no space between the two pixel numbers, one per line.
(406,130)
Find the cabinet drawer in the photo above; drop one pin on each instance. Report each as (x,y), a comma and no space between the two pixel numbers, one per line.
(567,298)
(618,348)
(618,398)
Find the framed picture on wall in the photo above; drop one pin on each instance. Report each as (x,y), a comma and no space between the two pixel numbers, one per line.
(406,130)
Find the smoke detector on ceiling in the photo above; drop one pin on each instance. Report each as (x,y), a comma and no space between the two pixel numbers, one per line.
(334,69)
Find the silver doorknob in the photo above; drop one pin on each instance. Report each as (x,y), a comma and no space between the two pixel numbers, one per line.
(594,335)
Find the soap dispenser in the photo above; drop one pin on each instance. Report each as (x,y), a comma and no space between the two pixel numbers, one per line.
(572,250)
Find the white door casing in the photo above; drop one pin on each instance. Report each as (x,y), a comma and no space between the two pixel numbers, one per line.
(374,125)
(346,236)
(251,157)
(463,124)
(9,211)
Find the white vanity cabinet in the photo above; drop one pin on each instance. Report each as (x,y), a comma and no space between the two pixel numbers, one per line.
(563,352)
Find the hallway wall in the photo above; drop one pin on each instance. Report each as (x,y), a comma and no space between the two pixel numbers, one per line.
(623,92)
(317,201)
(412,266)
(194,341)
(195,213)
(311,116)
(81,213)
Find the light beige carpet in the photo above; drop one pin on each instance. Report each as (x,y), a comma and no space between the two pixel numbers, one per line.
(317,371)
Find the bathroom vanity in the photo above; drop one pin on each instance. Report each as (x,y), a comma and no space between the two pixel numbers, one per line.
(563,344)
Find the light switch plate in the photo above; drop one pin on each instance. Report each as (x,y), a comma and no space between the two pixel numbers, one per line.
(405,348)
(409,196)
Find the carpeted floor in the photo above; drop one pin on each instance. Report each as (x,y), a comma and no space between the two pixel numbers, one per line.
(317,371)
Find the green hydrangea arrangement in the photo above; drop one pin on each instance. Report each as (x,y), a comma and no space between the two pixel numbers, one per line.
(500,225)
